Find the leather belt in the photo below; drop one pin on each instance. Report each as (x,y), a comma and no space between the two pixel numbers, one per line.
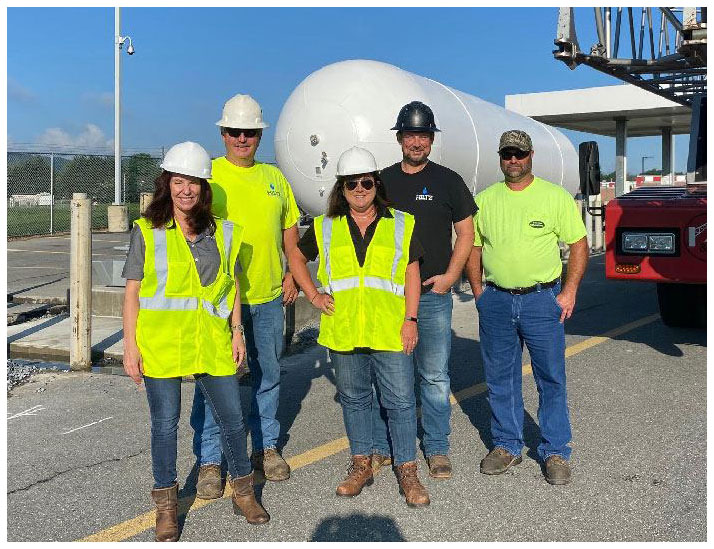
(529,289)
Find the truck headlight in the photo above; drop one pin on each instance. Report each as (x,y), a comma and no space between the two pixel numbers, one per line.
(661,242)
(645,243)
(634,242)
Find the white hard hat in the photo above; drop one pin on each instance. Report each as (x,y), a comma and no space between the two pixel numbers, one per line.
(242,112)
(188,158)
(356,160)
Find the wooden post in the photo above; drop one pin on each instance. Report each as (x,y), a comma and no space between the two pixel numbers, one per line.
(144,201)
(80,290)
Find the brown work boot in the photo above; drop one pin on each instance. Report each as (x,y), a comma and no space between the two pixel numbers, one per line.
(244,502)
(378,461)
(271,463)
(557,470)
(409,485)
(359,475)
(209,485)
(498,461)
(166,500)
(439,466)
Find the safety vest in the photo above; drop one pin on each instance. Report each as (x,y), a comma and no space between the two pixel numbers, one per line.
(183,327)
(369,300)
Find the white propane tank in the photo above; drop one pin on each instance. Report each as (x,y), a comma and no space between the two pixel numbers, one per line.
(354,103)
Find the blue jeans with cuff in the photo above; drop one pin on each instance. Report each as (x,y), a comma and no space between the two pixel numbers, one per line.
(506,322)
(431,359)
(395,377)
(222,396)
(263,324)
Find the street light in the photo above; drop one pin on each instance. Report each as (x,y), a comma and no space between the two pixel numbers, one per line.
(643,164)
(118,43)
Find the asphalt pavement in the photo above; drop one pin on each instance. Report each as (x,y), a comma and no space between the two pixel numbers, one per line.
(79,464)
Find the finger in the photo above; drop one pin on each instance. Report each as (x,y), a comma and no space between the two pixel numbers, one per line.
(428,281)
(562,316)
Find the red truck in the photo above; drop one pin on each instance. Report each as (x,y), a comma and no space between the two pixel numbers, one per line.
(659,234)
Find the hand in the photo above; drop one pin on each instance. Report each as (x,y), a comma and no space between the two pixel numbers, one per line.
(566,300)
(238,345)
(290,289)
(410,336)
(133,364)
(324,302)
(477,291)
(442,283)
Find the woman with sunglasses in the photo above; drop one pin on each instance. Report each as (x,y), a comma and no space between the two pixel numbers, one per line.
(369,272)
(181,302)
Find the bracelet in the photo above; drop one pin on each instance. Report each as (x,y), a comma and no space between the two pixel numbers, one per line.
(412,318)
(237,327)
(313,297)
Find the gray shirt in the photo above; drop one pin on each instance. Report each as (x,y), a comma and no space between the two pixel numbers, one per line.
(204,251)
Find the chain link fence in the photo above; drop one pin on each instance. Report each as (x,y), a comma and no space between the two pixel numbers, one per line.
(40,186)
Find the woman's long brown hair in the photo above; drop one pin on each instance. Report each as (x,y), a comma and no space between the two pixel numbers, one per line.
(161,210)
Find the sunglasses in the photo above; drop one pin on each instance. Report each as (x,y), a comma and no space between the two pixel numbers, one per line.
(366,184)
(235,132)
(506,154)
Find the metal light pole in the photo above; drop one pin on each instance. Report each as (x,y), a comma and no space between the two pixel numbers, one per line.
(117,106)
(643,164)
(117,213)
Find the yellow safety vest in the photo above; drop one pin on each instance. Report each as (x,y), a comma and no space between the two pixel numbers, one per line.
(183,327)
(369,300)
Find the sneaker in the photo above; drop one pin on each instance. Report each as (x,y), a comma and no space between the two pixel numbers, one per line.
(378,461)
(271,463)
(209,485)
(439,466)
(557,470)
(498,461)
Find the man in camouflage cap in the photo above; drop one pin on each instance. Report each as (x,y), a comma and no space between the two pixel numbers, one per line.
(517,228)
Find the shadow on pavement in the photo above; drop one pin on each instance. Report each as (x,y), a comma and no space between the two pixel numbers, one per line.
(357,527)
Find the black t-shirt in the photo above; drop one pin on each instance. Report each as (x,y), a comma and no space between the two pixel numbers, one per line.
(308,241)
(437,197)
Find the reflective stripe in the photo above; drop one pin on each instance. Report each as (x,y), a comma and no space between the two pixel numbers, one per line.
(222,310)
(383,284)
(398,239)
(159,301)
(227,240)
(326,241)
(344,284)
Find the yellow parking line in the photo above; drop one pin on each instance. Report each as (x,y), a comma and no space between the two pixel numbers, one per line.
(146,521)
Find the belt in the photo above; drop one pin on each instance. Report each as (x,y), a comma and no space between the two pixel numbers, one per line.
(529,289)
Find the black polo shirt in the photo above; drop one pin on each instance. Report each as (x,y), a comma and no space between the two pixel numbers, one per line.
(308,241)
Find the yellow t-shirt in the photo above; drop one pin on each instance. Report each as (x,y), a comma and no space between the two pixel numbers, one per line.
(260,200)
(519,232)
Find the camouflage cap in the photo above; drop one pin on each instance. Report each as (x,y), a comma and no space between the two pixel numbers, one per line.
(517,139)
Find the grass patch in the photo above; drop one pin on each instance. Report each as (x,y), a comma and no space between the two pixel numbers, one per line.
(35,220)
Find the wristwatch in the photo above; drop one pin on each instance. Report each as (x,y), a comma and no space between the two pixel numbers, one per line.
(412,318)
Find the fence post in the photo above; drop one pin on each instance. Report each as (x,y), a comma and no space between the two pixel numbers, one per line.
(144,201)
(80,295)
(52,192)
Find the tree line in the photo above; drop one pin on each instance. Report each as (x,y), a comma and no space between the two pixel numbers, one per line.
(29,173)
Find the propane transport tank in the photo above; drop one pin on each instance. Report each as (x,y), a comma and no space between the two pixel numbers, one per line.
(354,103)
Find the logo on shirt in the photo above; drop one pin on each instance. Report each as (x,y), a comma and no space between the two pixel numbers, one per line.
(537,224)
(425,195)
(272,191)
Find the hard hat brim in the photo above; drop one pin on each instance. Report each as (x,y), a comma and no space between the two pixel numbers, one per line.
(412,129)
(224,124)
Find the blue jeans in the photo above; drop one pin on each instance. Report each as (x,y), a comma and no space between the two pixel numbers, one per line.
(431,358)
(263,325)
(395,377)
(221,392)
(506,322)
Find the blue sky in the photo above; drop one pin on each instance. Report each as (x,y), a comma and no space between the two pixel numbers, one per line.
(188,61)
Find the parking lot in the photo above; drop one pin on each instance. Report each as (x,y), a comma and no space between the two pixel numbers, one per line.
(79,465)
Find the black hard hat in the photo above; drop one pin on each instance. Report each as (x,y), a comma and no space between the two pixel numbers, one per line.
(415,117)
